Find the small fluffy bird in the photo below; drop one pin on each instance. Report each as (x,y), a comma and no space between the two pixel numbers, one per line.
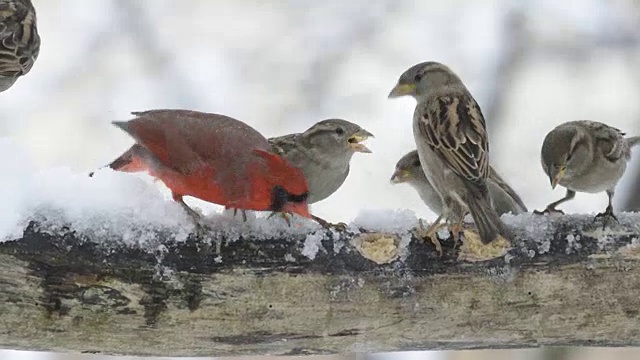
(409,171)
(586,156)
(323,153)
(453,147)
(214,158)
(19,40)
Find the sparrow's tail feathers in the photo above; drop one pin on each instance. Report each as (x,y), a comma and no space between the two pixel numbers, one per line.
(485,216)
(505,198)
(633,141)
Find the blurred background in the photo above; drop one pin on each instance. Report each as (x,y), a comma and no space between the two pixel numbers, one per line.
(283,65)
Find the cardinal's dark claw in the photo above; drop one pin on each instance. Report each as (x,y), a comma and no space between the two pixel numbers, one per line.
(282,215)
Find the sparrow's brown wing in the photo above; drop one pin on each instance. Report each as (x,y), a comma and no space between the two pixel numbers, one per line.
(609,140)
(282,145)
(19,39)
(454,128)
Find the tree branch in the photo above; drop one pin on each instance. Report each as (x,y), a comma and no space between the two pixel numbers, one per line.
(564,282)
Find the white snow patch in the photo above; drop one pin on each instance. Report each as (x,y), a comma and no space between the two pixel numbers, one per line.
(629,224)
(403,246)
(114,202)
(536,226)
(260,227)
(393,221)
(544,246)
(312,245)
(573,243)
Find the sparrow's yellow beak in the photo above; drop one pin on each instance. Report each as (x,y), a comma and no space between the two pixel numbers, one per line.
(402,90)
(400,176)
(556,179)
(355,141)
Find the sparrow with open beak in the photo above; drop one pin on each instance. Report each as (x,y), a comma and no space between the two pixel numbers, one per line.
(323,153)
(453,147)
(585,156)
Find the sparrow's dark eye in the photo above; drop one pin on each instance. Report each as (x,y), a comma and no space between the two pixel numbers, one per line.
(339,131)
(418,77)
(417,163)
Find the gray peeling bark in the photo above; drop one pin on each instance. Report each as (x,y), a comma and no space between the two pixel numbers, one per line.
(60,291)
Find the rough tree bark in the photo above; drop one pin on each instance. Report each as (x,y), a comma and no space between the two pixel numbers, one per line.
(62,291)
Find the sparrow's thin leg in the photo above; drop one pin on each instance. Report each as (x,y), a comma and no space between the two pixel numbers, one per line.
(551,208)
(431,233)
(608,214)
(327,225)
(457,229)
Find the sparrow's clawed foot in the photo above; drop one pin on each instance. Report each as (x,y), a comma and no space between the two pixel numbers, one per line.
(606,217)
(431,233)
(548,210)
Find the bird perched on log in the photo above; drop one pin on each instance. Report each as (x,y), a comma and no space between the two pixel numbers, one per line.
(214,158)
(19,40)
(409,171)
(586,156)
(323,153)
(451,137)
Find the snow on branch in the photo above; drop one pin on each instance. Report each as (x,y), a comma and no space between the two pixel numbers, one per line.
(273,289)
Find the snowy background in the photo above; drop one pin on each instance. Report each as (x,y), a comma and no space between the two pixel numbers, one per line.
(284,65)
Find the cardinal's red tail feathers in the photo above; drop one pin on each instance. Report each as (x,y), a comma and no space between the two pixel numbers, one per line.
(146,134)
(133,160)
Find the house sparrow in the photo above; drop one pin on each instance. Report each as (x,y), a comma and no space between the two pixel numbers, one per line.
(409,170)
(19,40)
(214,158)
(585,156)
(323,153)
(451,138)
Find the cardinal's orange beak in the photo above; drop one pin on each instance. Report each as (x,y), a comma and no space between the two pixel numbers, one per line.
(301,209)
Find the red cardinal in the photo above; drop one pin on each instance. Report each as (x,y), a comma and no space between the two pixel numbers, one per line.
(214,158)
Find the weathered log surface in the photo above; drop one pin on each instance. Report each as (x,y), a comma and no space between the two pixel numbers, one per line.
(62,291)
